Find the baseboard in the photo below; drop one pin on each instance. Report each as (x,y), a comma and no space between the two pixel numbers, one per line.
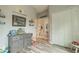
(50,42)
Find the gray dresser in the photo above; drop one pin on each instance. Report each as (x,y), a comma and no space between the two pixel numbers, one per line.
(19,42)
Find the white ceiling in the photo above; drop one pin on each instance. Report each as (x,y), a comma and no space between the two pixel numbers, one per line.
(59,8)
(40,8)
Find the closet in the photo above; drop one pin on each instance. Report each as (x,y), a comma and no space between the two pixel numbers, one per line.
(65,26)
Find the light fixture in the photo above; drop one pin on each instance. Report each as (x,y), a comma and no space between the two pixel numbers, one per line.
(20,10)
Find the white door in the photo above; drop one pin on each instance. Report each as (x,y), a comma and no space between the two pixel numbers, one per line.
(57,29)
(62,28)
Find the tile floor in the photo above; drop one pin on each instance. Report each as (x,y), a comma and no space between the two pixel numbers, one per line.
(46,48)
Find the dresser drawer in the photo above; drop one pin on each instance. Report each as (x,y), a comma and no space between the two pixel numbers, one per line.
(19,42)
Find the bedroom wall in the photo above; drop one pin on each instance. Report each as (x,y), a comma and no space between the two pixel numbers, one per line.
(8,11)
(64,26)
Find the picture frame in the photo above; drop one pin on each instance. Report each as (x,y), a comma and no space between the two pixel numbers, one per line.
(46,26)
(18,21)
(31,22)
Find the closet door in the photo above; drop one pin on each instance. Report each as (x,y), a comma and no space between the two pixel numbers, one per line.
(67,28)
(58,29)
(62,28)
(75,22)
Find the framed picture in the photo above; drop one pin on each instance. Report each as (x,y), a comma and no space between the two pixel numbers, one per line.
(31,22)
(46,26)
(18,21)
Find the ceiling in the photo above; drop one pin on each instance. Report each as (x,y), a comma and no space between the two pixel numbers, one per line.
(60,8)
(40,8)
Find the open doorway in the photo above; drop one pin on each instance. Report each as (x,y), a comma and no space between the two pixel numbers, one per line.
(42,30)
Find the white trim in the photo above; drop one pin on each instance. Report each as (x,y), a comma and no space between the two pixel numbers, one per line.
(50,42)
